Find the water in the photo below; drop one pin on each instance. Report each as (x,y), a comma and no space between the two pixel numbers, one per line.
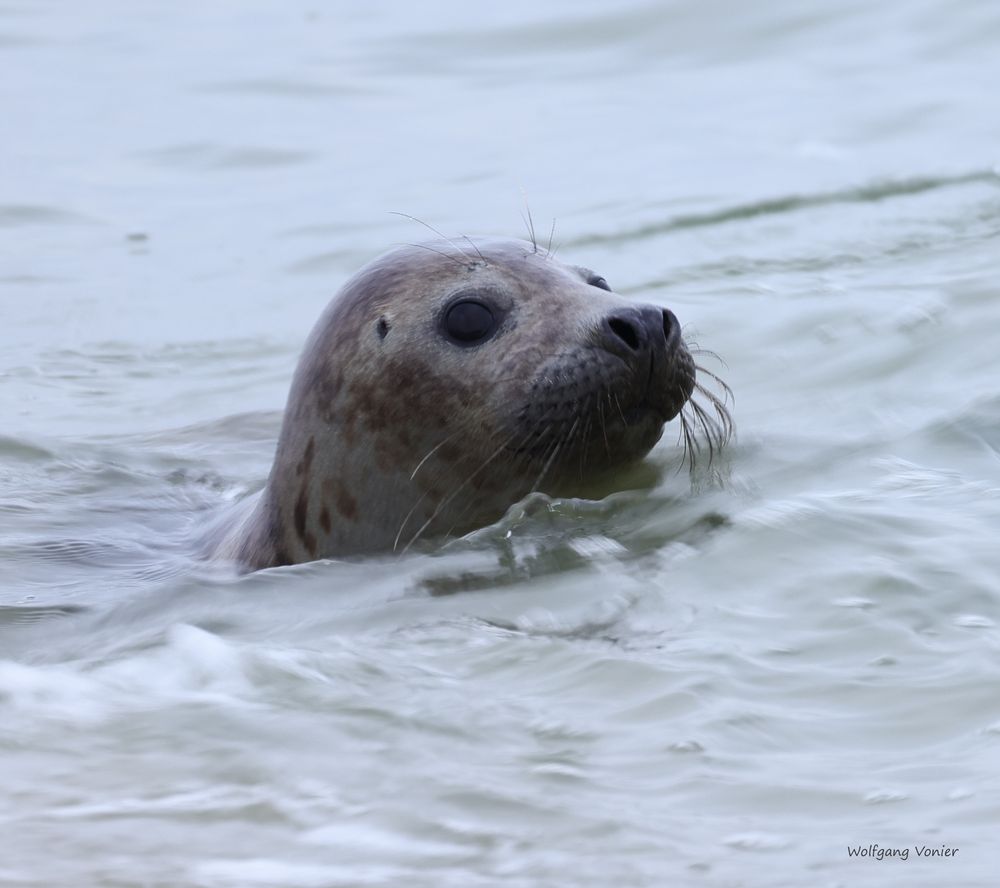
(717,681)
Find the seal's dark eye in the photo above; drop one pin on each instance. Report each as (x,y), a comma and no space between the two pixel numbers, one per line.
(595,280)
(469,322)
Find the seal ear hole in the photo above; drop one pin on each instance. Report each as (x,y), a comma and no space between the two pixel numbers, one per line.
(595,280)
(382,327)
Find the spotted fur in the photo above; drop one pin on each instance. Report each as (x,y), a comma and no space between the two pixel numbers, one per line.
(393,433)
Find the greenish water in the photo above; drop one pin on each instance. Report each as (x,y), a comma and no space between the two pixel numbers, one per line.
(722,680)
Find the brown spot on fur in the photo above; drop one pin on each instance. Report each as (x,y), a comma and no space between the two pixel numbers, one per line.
(401,407)
(275,537)
(349,321)
(349,425)
(301,511)
(451,452)
(386,405)
(301,514)
(305,464)
(347,505)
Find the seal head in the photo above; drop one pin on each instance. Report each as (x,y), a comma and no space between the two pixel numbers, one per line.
(446,381)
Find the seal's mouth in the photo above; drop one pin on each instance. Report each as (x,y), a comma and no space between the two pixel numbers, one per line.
(663,399)
(613,423)
(669,385)
(595,409)
(646,412)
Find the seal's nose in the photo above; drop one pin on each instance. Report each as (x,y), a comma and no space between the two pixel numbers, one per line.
(639,330)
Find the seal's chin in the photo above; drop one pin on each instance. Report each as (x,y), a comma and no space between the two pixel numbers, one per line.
(647,411)
(641,428)
(593,409)
(643,418)
(663,399)
(636,428)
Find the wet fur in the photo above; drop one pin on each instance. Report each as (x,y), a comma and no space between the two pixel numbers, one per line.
(392,433)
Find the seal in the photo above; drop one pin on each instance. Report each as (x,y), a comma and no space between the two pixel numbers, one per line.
(446,381)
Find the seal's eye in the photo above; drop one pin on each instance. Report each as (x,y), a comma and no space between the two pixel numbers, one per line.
(595,280)
(469,322)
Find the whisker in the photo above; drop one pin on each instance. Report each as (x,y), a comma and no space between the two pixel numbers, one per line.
(406,520)
(529,221)
(430,227)
(474,247)
(604,423)
(695,349)
(692,446)
(620,412)
(727,391)
(585,437)
(724,419)
(512,464)
(434,450)
(454,259)
(555,453)
(708,428)
(440,506)
(464,427)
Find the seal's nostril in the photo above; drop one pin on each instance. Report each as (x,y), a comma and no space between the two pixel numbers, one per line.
(671,328)
(625,332)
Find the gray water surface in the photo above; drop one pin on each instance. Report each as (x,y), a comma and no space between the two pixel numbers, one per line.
(723,679)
